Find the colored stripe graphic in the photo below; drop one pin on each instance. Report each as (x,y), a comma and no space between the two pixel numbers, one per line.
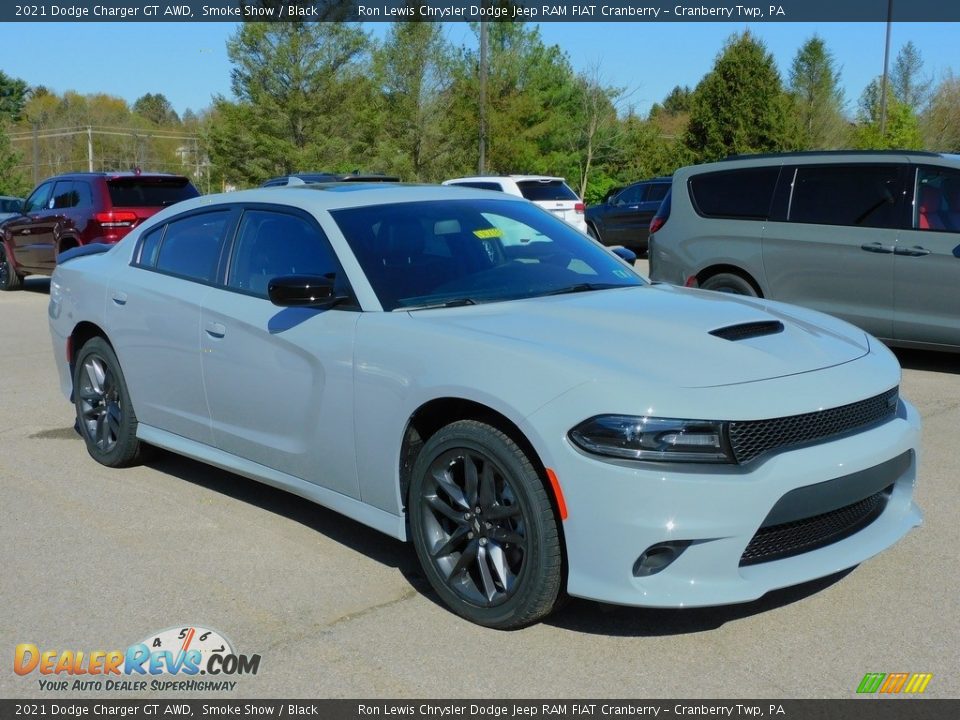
(892,683)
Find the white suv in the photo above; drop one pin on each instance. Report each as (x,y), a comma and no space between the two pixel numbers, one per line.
(550,193)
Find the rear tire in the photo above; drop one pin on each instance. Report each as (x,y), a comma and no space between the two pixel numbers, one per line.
(9,279)
(483,527)
(730,283)
(105,416)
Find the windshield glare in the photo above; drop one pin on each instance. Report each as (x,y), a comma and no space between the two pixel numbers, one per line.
(473,251)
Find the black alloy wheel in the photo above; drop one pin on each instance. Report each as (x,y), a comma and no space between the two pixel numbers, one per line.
(9,280)
(483,527)
(105,414)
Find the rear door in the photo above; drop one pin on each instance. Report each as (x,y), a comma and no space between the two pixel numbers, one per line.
(927,262)
(153,311)
(831,248)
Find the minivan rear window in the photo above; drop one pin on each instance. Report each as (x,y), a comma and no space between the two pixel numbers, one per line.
(743,194)
(546,190)
(149,192)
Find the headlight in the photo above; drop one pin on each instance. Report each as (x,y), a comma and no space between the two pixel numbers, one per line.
(648,438)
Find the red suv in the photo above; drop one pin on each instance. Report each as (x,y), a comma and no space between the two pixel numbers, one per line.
(76,209)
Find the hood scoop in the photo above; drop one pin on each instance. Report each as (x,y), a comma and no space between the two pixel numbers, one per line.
(745,331)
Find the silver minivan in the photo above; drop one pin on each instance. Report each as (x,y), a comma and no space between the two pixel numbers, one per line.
(871,237)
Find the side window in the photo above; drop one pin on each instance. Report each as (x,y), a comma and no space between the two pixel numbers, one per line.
(630,196)
(270,244)
(65,195)
(851,195)
(84,196)
(480,185)
(38,199)
(191,246)
(936,204)
(656,192)
(742,194)
(149,245)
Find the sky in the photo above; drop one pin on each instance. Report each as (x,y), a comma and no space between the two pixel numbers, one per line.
(188,63)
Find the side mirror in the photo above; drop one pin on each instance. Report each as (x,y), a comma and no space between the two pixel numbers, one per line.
(314,291)
(628,256)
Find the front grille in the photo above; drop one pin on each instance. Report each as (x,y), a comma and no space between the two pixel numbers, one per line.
(780,541)
(752,438)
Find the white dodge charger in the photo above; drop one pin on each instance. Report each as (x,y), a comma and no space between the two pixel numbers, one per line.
(469,372)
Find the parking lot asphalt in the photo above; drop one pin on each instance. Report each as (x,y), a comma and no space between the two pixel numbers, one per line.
(98,559)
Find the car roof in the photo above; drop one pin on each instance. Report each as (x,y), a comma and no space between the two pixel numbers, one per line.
(516,178)
(116,174)
(821,157)
(334,196)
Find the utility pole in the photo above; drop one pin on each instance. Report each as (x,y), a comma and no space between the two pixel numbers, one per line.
(482,163)
(886,65)
(36,154)
(89,149)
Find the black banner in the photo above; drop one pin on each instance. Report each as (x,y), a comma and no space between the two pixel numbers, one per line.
(855,709)
(476,10)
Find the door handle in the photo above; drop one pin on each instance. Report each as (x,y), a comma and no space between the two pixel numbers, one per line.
(876,247)
(216,330)
(119,298)
(915,251)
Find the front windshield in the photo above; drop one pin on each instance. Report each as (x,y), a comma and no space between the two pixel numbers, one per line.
(461,252)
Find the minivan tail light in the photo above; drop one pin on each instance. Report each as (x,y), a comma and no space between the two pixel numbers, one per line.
(116,219)
(658,222)
(580,208)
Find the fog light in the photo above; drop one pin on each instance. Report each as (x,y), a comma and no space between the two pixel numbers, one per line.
(658,557)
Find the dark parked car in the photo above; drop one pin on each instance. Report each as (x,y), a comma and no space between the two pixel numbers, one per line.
(76,209)
(624,217)
(325,177)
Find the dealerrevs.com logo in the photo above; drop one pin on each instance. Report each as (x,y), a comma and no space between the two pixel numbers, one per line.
(169,660)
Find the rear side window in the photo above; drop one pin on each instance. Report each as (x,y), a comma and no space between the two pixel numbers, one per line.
(657,191)
(480,185)
(191,246)
(546,190)
(741,194)
(149,192)
(851,195)
(65,195)
(936,205)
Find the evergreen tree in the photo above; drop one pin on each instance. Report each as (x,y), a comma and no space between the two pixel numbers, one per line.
(817,97)
(12,181)
(909,85)
(740,106)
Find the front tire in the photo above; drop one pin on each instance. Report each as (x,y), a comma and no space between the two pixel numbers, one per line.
(105,416)
(483,527)
(729,283)
(9,280)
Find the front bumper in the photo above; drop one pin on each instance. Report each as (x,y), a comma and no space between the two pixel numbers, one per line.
(617,510)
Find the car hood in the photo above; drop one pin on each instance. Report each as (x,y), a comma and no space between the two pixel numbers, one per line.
(661,333)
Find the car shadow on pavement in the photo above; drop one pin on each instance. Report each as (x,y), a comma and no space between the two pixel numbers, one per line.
(928,360)
(577,615)
(349,533)
(595,618)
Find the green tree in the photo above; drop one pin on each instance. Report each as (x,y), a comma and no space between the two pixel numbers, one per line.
(817,97)
(941,120)
(676,102)
(532,105)
(12,181)
(907,81)
(740,106)
(412,76)
(13,96)
(901,131)
(294,83)
(156,108)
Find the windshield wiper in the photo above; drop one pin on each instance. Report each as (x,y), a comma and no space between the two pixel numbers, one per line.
(581,287)
(458,302)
